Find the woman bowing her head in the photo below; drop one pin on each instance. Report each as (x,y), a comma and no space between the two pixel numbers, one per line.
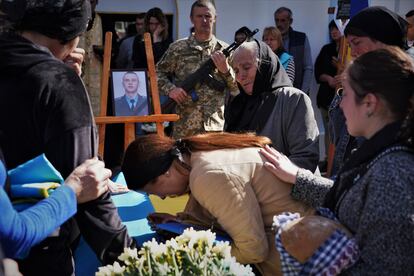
(228,184)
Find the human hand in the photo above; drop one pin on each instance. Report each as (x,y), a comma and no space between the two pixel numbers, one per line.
(89,180)
(332,82)
(338,80)
(157,218)
(10,267)
(157,33)
(116,188)
(178,94)
(75,60)
(335,81)
(220,61)
(279,165)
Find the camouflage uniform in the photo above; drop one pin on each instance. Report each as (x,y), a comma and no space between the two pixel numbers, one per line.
(182,58)
(92,67)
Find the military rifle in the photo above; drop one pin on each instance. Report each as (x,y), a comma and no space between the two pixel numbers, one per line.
(203,75)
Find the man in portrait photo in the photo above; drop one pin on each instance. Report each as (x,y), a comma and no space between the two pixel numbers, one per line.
(131,103)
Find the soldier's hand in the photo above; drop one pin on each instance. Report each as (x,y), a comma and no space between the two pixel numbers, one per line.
(220,61)
(178,94)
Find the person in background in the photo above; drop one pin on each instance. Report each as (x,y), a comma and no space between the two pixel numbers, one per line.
(372,28)
(273,38)
(326,74)
(183,58)
(44,108)
(156,24)
(124,58)
(229,188)
(372,195)
(92,65)
(409,16)
(269,106)
(296,44)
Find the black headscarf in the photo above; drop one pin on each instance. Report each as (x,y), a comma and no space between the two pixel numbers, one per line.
(380,24)
(58,19)
(250,112)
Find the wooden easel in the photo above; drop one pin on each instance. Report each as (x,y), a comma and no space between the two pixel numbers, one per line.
(129,121)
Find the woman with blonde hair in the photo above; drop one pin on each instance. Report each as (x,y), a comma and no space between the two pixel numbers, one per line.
(229,188)
(273,37)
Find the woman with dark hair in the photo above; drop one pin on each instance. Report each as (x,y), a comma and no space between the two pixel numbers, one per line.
(273,37)
(228,184)
(373,193)
(372,28)
(326,74)
(268,105)
(156,24)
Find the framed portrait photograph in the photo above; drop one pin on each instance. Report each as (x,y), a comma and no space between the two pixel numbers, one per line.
(131,97)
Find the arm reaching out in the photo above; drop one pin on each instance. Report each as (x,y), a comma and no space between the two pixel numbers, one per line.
(279,165)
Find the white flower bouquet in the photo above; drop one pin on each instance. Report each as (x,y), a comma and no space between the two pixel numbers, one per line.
(192,253)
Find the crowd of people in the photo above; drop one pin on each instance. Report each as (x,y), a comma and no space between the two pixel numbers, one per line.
(246,147)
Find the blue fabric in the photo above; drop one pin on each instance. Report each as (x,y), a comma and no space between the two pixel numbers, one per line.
(39,169)
(20,231)
(357,6)
(133,208)
(2,174)
(284,59)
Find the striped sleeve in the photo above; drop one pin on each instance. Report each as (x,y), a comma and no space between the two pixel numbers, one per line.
(290,69)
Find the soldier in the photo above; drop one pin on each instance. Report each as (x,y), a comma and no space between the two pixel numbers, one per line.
(182,58)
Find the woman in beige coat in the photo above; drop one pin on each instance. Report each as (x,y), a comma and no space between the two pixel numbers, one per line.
(230,187)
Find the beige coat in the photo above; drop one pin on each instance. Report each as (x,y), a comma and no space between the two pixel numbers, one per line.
(233,189)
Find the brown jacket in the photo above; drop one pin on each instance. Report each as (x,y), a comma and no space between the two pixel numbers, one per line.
(233,189)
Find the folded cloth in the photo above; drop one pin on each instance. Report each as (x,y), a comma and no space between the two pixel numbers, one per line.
(33,180)
(314,245)
(36,170)
(36,190)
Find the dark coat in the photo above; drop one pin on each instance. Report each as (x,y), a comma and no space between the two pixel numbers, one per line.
(278,111)
(323,65)
(44,108)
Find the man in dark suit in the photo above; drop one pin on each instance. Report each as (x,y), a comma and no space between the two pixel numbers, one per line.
(131,103)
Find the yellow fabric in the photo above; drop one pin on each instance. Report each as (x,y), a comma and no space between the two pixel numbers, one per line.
(169,205)
(234,189)
(37,190)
